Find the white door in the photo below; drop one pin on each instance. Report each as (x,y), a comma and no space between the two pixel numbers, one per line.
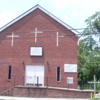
(34,75)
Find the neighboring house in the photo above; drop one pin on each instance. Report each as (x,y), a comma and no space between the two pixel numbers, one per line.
(38,48)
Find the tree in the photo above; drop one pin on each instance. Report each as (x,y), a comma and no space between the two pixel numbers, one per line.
(89,49)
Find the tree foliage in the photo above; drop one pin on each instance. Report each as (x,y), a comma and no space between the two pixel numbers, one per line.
(89,49)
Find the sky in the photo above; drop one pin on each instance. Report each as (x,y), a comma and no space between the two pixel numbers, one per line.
(72,12)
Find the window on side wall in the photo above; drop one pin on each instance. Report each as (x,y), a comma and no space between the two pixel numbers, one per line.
(58,74)
(9,72)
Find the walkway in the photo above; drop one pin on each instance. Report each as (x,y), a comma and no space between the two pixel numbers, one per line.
(26,98)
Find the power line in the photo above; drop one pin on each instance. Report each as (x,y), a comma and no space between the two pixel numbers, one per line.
(52,30)
(49,36)
(28,37)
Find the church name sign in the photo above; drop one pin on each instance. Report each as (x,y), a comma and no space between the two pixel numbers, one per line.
(70,68)
(35,51)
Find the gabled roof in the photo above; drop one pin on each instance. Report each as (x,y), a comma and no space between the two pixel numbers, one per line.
(45,11)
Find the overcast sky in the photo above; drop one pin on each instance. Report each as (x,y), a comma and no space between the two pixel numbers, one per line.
(72,12)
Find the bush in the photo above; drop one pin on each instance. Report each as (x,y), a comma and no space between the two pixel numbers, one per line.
(98,87)
(93,95)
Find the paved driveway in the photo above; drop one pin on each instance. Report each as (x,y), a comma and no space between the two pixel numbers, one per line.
(26,98)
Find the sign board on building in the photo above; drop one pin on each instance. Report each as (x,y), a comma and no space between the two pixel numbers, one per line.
(36,51)
(69,80)
(70,68)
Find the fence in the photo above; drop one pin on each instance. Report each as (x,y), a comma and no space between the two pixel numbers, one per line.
(85,85)
(44,81)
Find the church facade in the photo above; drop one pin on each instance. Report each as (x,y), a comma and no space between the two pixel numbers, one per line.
(38,49)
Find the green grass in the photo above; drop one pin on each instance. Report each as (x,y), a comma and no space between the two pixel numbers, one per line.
(94,99)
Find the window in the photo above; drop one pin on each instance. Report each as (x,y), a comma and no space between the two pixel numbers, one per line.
(9,72)
(58,73)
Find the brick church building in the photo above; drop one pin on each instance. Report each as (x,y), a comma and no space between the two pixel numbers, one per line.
(38,49)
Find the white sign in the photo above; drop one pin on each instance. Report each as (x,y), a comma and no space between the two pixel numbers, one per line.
(36,51)
(69,80)
(70,68)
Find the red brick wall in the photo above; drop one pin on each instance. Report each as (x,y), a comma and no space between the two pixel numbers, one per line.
(46,92)
(19,55)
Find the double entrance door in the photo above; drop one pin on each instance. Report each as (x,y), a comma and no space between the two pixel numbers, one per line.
(34,75)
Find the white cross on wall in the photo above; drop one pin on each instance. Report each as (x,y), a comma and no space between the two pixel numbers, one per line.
(58,38)
(94,82)
(36,33)
(12,36)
